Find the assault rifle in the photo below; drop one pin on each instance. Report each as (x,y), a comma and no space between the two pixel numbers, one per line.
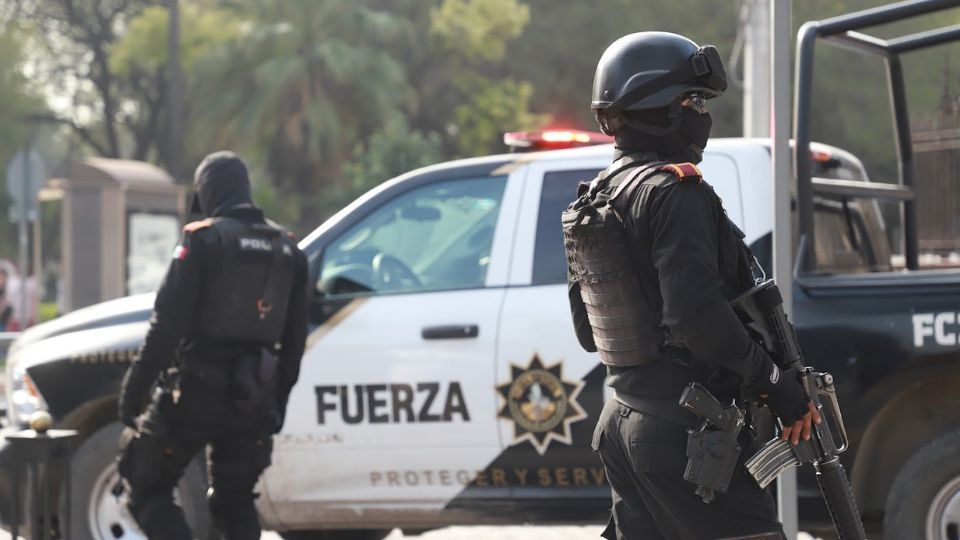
(762,306)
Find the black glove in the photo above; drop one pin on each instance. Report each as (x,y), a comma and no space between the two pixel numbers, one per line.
(129,410)
(133,391)
(785,395)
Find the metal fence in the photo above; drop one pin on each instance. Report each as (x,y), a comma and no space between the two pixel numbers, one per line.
(937,165)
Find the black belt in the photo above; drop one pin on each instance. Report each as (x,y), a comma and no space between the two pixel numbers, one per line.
(666,408)
(678,354)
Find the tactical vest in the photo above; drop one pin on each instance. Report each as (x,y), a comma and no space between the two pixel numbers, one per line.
(247,290)
(626,326)
(618,282)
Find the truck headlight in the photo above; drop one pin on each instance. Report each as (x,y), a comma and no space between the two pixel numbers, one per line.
(25,399)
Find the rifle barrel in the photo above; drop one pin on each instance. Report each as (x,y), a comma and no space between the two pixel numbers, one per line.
(839,498)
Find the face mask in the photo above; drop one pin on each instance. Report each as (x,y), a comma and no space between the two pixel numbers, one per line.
(694,132)
(684,144)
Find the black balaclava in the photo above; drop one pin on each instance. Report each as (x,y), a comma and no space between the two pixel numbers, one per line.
(221,182)
(684,144)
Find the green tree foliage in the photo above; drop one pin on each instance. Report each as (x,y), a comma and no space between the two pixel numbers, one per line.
(17,102)
(301,84)
(143,45)
(326,98)
(392,150)
(139,59)
(559,49)
(71,55)
(465,77)
(478,29)
(493,107)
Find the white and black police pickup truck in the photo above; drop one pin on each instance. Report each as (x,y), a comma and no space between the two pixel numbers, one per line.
(443,383)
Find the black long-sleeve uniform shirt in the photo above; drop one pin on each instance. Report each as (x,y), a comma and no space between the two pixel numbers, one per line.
(695,264)
(175,309)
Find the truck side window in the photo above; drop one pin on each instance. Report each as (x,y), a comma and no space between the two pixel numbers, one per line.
(850,237)
(435,237)
(559,190)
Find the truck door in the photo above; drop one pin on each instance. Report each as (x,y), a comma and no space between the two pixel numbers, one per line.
(549,390)
(395,408)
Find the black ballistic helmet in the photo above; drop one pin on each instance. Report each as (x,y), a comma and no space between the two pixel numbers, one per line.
(652,70)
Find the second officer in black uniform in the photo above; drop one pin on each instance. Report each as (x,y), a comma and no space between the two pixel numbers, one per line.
(654,261)
(221,356)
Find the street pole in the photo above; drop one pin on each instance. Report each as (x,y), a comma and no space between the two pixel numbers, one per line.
(756,69)
(37,260)
(782,238)
(24,235)
(174,90)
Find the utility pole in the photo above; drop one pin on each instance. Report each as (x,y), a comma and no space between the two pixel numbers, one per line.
(756,68)
(24,238)
(174,90)
(782,169)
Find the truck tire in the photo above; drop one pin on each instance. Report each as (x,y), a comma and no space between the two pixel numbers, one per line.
(924,501)
(359,534)
(97,514)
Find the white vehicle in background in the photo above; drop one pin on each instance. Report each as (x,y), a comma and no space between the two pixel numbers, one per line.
(443,383)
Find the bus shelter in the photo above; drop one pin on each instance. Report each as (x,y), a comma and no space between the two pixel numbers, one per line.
(118,222)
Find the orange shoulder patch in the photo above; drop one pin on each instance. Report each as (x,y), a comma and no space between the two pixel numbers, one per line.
(292,236)
(683,171)
(195,226)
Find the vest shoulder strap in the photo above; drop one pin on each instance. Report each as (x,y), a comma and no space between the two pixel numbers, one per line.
(622,165)
(195,226)
(675,172)
(683,171)
(639,177)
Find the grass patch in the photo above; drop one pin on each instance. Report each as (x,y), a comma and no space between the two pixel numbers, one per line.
(48,311)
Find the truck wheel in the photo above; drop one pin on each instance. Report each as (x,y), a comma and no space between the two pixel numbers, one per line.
(924,501)
(359,534)
(98,514)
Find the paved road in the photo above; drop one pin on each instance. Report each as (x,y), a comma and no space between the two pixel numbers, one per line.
(591,532)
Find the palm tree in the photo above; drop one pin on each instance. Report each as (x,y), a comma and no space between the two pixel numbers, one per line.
(304,81)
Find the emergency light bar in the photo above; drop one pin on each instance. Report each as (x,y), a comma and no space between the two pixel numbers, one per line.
(553,139)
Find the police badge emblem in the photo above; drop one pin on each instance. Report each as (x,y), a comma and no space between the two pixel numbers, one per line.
(541,405)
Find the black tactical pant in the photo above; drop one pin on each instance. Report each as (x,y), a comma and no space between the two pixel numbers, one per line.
(239,445)
(644,457)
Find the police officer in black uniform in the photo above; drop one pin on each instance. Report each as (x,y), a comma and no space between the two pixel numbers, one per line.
(223,352)
(654,261)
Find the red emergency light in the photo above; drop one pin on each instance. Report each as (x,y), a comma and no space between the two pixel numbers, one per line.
(553,139)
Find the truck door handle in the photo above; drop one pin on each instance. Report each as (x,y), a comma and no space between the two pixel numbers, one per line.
(451,331)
